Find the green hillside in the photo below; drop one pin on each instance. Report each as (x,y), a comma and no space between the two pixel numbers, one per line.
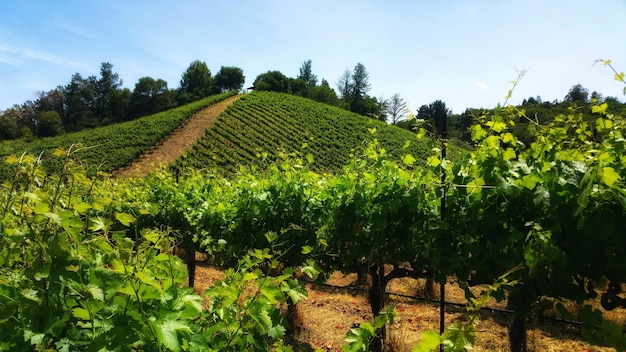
(254,130)
(112,146)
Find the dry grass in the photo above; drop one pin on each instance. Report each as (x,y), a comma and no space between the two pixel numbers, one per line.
(324,317)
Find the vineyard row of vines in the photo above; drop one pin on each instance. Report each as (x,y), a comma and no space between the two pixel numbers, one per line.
(82,257)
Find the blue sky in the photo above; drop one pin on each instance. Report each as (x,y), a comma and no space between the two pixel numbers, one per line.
(462,52)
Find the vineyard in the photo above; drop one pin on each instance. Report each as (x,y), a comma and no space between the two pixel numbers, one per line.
(110,147)
(83,259)
(260,127)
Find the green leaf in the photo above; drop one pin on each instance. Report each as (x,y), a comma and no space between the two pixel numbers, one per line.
(149,280)
(509,154)
(599,109)
(475,185)
(31,294)
(408,159)
(530,181)
(41,208)
(271,236)
(541,196)
(104,245)
(124,218)
(35,338)
(167,336)
(81,313)
(307,249)
(430,341)
(478,132)
(98,224)
(96,292)
(609,176)
(250,276)
(276,332)
(151,236)
(433,161)
(496,126)
(82,207)
(53,216)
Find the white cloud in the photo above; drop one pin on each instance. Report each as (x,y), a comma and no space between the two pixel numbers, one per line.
(7,55)
(12,55)
(481,85)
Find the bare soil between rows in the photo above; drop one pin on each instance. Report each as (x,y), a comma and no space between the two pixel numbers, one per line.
(326,315)
(174,145)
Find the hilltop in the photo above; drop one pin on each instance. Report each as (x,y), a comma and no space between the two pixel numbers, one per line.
(260,128)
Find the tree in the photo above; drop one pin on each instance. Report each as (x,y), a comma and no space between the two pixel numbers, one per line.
(195,83)
(396,108)
(105,86)
(343,85)
(49,124)
(306,74)
(120,102)
(297,87)
(596,97)
(434,113)
(379,112)
(229,78)
(324,94)
(8,127)
(359,87)
(273,81)
(80,98)
(149,96)
(577,94)
(52,100)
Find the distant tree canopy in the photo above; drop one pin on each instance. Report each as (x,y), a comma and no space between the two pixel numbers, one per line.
(228,78)
(396,108)
(195,83)
(324,94)
(577,94)
(108,83)
(434,114)
(88,102)
(353,88)
(100,100)
(273,81)
(49,123)
(150,96)
(306,80)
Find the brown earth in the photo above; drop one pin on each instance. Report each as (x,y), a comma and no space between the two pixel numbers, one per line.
(177,143)
(326,315)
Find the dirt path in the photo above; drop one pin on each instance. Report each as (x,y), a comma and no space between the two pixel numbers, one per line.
(175,144)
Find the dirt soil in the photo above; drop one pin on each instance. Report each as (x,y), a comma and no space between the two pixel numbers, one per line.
(328,313)
(177,143)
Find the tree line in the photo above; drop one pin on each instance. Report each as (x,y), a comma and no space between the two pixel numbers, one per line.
(578,100)
(353,87)
(352,94)
(101,100)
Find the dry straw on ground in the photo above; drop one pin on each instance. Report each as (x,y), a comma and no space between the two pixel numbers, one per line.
(328,313)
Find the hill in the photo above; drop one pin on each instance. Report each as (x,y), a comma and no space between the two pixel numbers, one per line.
(109,147)
(259,127)
(257,130)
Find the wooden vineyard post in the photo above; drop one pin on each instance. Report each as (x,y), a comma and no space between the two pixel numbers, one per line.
(442,286)
(191,262)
